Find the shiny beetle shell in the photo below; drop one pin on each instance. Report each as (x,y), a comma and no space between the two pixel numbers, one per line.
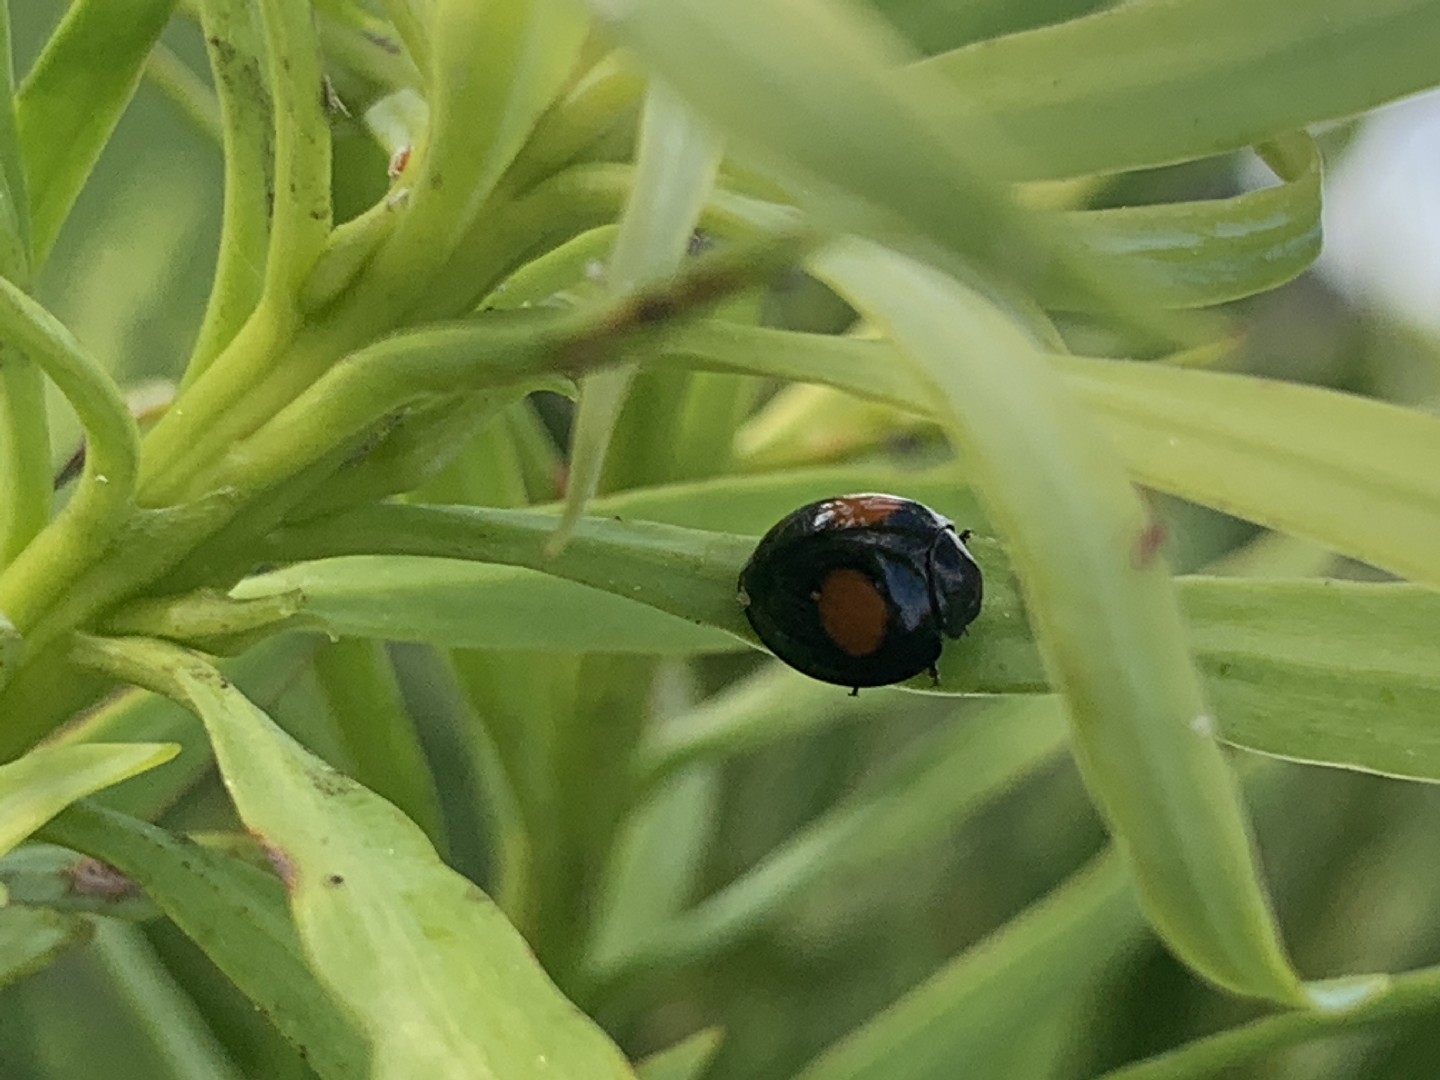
(861,590)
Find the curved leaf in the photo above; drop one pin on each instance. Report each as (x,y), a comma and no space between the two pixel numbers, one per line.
(1194,254)
(1107,620)
(440,983)
(1148,84)
(39,785)
(1333,467)
(815,93)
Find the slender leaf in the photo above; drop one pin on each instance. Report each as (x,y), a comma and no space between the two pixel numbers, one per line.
(1148,84)
(1357,1005)
(378,732)
(237,65)
(105,496)
(1107,620)
(471,606)
(161,1009)
(140,716)
(812,90)
(1330,466)
(299,196)
(676,163)
(72,99)
(39,785)
(944,778)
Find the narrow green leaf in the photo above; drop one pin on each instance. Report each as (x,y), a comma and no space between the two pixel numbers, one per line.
(159,1007)
(1333,467)
(1194,254)
(191,94)
(686,1060)
(676,163)
(1389,999)
(32,938)
(439,981)
(14,200)
(72,99)
(1334,672)
(492,69)
(236,913)
(1106,618)
(36,787)
(980,1003)
(473,606)
(263,674)
(377,730)
(25,477)
(813,90)
(1149,84)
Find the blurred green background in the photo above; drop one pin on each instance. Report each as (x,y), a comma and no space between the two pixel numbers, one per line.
(1353,860)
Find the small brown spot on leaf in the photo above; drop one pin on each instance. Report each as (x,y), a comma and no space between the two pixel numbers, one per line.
(91,877)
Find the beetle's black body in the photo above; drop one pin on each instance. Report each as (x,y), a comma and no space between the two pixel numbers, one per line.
(861,590)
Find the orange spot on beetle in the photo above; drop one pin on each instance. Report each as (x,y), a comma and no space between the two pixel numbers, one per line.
(852,612)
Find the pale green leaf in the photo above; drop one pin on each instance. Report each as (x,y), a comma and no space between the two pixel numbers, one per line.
(1147,84)
(441,984)
(1106,617)
(72,98)
(36,787)
(475,606)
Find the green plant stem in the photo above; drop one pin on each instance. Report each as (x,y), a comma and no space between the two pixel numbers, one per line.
(104,497)
(189,93)
(25,484)
(300,217)
(237,67)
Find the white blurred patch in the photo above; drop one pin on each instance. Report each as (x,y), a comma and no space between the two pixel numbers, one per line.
(1382,213)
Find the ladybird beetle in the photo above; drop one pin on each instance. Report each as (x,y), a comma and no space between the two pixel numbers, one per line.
(858,590)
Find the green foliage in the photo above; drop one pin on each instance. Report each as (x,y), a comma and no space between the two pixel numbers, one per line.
(388,620)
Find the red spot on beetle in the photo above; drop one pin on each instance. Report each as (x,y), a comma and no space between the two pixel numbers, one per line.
(859,511)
